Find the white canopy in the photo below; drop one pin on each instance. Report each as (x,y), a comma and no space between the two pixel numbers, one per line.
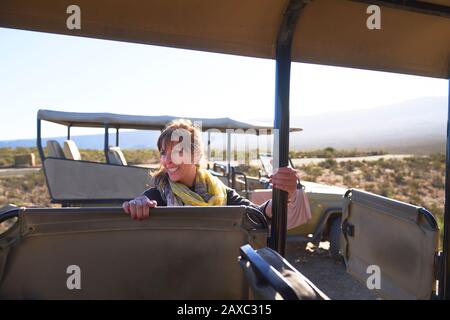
(413,39)
(123,121)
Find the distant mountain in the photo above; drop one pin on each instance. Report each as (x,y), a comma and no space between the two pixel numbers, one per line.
(416,126)
(127,140)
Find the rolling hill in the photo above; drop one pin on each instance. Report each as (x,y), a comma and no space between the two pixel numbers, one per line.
(416,126)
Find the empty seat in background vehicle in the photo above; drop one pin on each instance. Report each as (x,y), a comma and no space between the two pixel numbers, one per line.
(71,150)
(54,149)
(115,156)
(220,176)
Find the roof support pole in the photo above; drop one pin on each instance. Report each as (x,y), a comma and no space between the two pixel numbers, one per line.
(446,245)
(39,142)
(42,155)
(257,145)
(277,240)
(229,155)
(106,146)
(208,152)
(247,150)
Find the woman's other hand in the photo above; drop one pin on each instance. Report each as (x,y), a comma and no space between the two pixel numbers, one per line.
(285,179)
(139,208)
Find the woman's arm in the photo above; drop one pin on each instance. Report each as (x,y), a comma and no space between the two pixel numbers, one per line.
(139,208)
(284,179)
(235,199)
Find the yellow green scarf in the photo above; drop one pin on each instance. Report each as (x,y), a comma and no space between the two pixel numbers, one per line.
(209,191)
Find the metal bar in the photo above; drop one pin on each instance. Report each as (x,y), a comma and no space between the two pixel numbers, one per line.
(277,240)
(208,152)
(42,156)
(257,144)
(117,137)
(247,149)
(235,155)
(106,146)
(39,142)
(68,131)
(412,5)
(233,178)
(445,282)
(229,153)
(209,146)
(224,149)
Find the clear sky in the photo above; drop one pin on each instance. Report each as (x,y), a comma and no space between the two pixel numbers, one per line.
(39,70)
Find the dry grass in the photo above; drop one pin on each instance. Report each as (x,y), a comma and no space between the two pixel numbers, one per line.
(29,190)
(7,155)
(133,156)
(334,153)
(418,180)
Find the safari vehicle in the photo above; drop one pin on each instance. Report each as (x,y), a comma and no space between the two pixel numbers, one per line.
(43,243)
(73,181)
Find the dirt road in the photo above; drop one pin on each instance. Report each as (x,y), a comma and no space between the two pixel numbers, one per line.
(14,172)
(306,161)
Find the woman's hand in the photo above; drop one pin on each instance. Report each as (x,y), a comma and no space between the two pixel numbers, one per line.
(285,179)
(139,208)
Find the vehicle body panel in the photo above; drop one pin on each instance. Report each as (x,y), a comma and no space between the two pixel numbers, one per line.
(398,239)
(181,253)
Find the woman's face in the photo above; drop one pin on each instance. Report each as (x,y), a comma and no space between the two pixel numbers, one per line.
(177,170)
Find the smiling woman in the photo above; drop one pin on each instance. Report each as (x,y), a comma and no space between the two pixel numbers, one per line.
(181,181)
(178,136)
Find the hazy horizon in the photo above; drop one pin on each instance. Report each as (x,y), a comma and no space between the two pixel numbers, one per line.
(414,126)
(48,71)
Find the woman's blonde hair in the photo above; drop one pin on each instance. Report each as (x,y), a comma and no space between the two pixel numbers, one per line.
(181,128)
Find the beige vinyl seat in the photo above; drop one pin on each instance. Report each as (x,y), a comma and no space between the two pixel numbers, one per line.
(115,156)
(181,253)
(220,176)
(54,149)
(71,150)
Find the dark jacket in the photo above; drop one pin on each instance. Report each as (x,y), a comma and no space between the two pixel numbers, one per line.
(233,199)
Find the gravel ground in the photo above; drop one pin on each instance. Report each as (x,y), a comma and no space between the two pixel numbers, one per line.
(328,274)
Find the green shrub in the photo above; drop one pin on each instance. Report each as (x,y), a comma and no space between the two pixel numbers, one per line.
(348,181)
(328,164)
(312,172)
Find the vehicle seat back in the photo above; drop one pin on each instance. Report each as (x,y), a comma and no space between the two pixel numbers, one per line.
(54,149)
(115,156)
(71,150)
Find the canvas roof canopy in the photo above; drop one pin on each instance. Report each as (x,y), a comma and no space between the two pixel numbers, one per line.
(100,120)
(414,37)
